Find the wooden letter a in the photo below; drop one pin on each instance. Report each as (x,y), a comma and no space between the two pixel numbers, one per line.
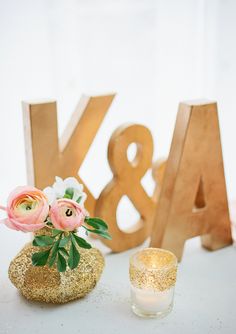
(193,199)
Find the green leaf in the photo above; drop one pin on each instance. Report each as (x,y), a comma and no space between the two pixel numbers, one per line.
(40,258)
(79,199)
(98,222)
(69,193)
(63,251)
(80,241)
(55,232)
(64,241)
(54,253)
(94,225)
(43,241)
(61,263)
(103,234)
(74,257)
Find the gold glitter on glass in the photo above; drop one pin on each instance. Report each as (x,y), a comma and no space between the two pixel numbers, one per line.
(153,268)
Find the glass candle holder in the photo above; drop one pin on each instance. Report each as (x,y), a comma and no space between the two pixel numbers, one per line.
(152,276)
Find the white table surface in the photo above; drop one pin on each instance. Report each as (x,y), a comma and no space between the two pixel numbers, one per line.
(205,298)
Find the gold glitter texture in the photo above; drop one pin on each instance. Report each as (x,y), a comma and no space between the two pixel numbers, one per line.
(46,284)
(153,268)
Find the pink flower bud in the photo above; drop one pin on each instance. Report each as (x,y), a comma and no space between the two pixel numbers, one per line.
(67,215)
(27,209)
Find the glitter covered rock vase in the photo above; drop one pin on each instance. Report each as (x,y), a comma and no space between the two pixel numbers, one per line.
(46,284)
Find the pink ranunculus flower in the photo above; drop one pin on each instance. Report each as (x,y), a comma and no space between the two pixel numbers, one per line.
(27,209)
(67,215)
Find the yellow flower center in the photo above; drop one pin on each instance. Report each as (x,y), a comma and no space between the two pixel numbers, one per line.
(26,206)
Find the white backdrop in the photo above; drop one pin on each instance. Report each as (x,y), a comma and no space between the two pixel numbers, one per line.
(153,53)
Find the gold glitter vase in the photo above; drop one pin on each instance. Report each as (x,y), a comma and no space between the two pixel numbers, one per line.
(152,277)
(46,284)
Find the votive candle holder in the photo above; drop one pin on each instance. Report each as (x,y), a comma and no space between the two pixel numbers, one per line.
(152,276)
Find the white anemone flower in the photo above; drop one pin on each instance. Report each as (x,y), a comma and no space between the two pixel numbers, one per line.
(60,186)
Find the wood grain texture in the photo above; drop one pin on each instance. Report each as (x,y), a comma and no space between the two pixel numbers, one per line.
(193,199)
(46,155)
(158,172)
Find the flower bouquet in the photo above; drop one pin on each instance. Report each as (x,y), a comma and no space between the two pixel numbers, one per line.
(59,265)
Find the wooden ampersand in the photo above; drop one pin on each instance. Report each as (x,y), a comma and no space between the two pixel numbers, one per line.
(46,156)
(193,199)
(126,181)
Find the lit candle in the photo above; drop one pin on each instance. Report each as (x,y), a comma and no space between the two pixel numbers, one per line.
(152,276)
